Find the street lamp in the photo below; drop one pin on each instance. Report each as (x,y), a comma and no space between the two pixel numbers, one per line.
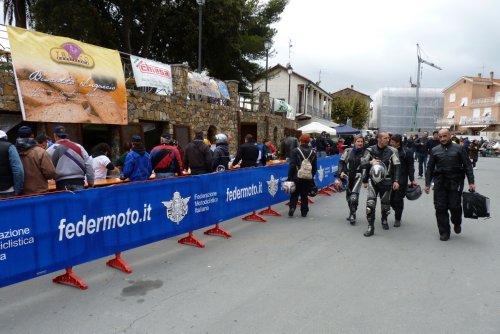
(290,71)
(267,46)
(200,3)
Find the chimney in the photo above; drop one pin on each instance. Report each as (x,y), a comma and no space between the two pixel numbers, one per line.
(352,86)
(491,75)
(479,75)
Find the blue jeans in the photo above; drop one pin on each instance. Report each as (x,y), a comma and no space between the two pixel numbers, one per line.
(164,175)
(422,163)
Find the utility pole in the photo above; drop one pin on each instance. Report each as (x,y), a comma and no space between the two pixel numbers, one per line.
(419,74)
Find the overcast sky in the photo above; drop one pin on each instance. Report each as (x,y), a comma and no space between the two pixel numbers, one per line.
(372,44)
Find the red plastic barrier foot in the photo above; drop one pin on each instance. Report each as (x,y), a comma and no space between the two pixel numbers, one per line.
(119,263)
(330,189)
(191,240)
(270,211)
(70,279)
(310,200)
(217,231)
(255,217)
(324,192)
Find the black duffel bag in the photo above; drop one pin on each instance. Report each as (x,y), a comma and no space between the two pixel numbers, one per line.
(475,205)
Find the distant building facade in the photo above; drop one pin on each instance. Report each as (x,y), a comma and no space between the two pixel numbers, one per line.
(393,109)
(309,100)
(349,93)
(472,106)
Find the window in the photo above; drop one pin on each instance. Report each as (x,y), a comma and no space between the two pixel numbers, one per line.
(476,112)
(487,112)
(464,102)
(497,97)
(452,97)
(462,119)
(451,114)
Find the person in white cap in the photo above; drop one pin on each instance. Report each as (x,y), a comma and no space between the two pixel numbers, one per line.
(11,169)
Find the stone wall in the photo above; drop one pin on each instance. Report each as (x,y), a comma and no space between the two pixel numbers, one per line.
(181,109)
(9,100)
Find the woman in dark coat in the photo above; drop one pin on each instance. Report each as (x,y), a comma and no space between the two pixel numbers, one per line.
(474,152)
(303,186)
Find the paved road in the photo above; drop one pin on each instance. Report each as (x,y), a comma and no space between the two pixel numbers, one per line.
(302,275)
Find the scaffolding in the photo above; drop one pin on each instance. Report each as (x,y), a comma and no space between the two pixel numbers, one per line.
(393,109)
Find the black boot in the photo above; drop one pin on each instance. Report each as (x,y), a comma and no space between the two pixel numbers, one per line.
(352,218)
(370,231)
(385,225)
(291,212)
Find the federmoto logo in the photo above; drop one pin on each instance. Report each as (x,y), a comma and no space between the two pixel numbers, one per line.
(71,54)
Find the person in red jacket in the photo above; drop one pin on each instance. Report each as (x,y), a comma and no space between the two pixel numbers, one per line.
(340,145)
(166,158)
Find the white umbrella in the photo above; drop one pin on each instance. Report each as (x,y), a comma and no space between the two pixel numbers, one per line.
(315,127)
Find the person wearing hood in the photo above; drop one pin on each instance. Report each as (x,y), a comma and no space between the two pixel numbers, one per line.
(137,165)
(101,162)
(11,169)
(73,163)
(220,159)
(197,156)
(37,164)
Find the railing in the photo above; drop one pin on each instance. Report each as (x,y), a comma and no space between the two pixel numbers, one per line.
(485,101)
(478,120)
(445,122)
(248,102)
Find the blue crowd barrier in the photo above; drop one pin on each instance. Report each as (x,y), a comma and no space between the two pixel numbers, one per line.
(43,234)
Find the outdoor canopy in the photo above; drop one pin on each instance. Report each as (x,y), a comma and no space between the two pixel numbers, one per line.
(315,127)
(344,129)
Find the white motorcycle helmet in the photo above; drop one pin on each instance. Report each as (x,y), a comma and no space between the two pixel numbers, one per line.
(378,172)
(288,187)
(220,138)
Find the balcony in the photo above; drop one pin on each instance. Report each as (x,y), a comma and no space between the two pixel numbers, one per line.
(445,122)
(478,121)
(486,101)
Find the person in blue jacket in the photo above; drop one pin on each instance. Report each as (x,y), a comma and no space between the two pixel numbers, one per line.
(137,165)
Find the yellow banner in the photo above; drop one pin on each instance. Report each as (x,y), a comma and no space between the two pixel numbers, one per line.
(63,80)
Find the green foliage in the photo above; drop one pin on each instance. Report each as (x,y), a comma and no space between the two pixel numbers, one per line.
(233,30)
(354,108)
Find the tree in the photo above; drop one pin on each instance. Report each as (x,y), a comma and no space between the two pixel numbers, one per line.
(16,10)
(233,30)
(354,108)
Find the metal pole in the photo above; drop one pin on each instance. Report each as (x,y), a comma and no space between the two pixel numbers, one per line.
(199,36)
(289,83)
(414,121)
(267,59)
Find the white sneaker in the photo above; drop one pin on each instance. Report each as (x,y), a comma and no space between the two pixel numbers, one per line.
(475,167)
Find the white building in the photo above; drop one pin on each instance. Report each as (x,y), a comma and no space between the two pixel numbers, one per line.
(310,101)
(393,109)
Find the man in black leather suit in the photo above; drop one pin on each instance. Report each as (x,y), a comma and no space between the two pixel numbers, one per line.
(448,164)
(381,152)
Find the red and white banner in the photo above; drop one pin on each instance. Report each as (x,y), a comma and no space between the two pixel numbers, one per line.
(150,73)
